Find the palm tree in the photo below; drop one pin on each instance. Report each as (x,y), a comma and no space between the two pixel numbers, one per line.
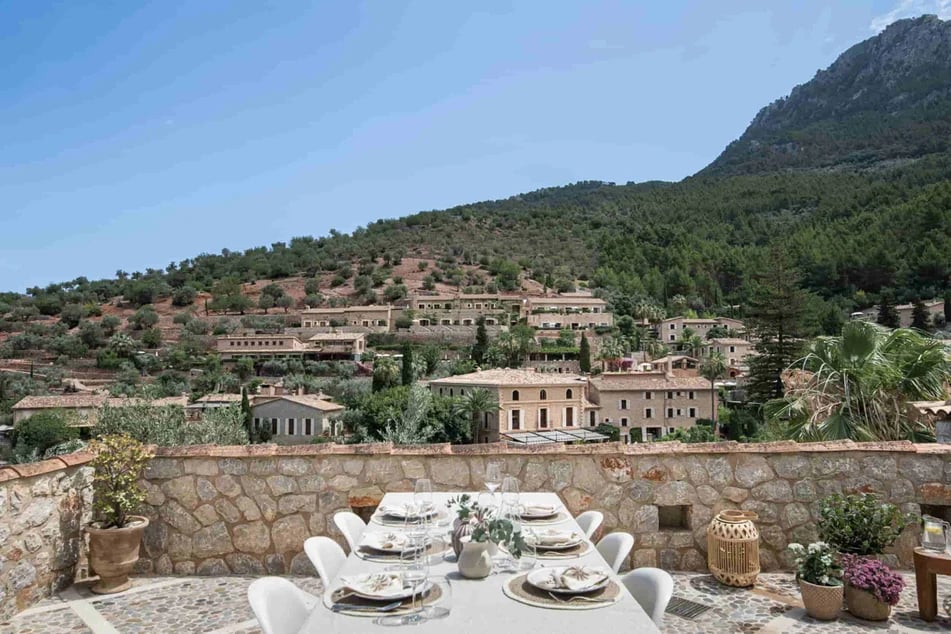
(474,403)
(713,368)
(611,351)
(857,385)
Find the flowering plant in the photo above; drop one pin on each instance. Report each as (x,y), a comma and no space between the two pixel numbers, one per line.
(873,576)
(817,564)
(859,524)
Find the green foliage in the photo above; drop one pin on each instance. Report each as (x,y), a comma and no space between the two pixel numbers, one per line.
(817,564)
(406,415)
(144,317)
(407,372)
(118,466)
(887,315)
(71,314)
(152,338)
(856,385)
(584,355)
(42,431)
(860,524)
(166,426)
(184,296)
(610,431)
(697,433)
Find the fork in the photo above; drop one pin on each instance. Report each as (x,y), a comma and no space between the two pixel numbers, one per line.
(576,597)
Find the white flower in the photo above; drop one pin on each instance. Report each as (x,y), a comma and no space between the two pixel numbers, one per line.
(824,580)
(813,548)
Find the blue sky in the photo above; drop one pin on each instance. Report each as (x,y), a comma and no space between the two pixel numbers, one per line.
(133,134)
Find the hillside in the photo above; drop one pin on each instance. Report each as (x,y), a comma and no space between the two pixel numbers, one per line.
(883,99)
(853,232)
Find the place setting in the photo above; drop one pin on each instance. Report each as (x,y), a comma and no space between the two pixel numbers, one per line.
(564,588)
(555,543)
(402,597)
(384,547)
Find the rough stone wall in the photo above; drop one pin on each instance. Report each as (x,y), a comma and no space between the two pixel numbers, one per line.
(248,510)
(42,509)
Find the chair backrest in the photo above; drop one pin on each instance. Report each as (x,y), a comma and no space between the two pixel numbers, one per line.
(615,548)
(279,606)
(652,588)
(590,521)
(327,557)
(351,526)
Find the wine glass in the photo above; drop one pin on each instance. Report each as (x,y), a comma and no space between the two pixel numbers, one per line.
(529,551)
(510,492)
(493,477)
(415,566)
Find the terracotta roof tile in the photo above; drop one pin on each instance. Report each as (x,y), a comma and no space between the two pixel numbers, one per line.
(506,376)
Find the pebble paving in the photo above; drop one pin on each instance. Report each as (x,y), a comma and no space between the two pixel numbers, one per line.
(201,605)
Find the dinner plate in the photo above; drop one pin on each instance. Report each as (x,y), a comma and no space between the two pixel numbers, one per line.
(400,512)
(385,542)
(539,511)
(571,540)
(550,579)
(381,586)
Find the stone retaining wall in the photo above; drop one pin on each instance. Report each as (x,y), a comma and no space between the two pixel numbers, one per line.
(248,510)
(42,508)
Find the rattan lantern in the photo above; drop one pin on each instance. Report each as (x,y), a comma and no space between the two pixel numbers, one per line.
(733,548)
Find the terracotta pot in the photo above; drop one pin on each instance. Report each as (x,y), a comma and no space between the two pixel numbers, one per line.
(865,605)
(475,562)
(821,602)
(113,553)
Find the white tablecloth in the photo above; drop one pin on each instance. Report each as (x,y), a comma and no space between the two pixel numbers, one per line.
(480,605)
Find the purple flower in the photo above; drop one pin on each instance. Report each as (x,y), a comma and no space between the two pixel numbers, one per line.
(873,576)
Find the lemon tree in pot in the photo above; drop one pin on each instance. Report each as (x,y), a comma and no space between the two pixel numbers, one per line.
(116,534)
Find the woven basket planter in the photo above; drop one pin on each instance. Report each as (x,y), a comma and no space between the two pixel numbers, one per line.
(865,605)
(733,548)
(821,602)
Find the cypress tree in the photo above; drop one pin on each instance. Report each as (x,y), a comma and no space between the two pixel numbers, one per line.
(920,318)
(246,411)
(481,342)
(407,370)
(887,315)
(584,355)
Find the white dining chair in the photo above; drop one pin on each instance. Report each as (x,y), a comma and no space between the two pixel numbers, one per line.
(351,526)
(327,557)
(652,588)
(590,522)
(279,606)
(615,548)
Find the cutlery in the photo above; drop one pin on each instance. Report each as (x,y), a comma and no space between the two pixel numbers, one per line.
(344,607)
(576,597)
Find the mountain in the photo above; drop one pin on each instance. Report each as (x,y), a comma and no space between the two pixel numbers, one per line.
(886,98)
(851,174)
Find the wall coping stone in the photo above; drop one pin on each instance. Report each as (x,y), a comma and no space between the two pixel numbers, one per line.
(613,448)
(33,469)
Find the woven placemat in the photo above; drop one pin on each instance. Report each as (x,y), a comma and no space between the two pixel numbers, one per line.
(340,598)
(519,589)
(441,518)
(568,553)
(558,518)
(437,546)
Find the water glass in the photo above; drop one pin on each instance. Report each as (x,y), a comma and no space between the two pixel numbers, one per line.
(529,556)
(442,606)
(510,491)
(415,567)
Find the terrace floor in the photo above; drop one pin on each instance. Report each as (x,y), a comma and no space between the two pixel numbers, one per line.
(186,605)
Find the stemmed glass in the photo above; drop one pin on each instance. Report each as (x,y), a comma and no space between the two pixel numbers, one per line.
(510,492)
(415,568)
(493,476)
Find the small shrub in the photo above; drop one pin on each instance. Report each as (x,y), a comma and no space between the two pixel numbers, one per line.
(42,431)
(860,524)
(118,465)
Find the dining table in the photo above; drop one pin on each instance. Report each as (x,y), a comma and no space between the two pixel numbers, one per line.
(481,605)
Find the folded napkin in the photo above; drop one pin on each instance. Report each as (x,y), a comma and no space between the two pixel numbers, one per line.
(386,541)
(539,509)
(403,511)
(381,584)
(582,577)
(554,538)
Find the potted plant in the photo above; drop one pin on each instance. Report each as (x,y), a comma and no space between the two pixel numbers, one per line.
(477,535)
(820,579)
(859,524)
(468,514)
(115,534)
(871,588)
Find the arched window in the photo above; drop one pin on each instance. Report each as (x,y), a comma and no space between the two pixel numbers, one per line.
(514,395)
(568,393)
(543,395)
